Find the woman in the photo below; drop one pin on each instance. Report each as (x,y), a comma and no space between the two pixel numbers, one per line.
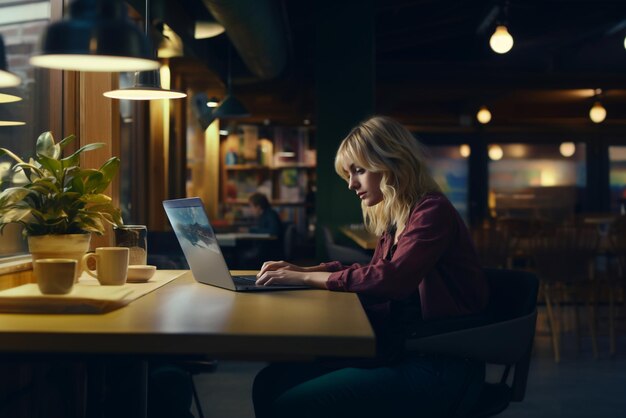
(424,267)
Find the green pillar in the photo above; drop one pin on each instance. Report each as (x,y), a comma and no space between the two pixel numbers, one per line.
(345,82)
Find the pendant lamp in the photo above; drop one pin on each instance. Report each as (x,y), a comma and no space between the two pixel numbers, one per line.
(147,84)
(9,98)
(7,78)
(96,36)
(230,107)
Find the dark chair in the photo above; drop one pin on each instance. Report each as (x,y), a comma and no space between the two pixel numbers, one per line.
(290,241)
(503,335)
(341,253)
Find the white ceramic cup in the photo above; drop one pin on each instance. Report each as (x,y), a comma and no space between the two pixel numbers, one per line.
(55,276)
(111,265)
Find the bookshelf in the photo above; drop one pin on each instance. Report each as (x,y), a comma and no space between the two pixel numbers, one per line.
(279,162)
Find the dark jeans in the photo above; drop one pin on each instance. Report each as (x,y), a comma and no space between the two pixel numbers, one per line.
(418,386)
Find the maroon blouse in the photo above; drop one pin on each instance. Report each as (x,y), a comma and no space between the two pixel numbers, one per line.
(434,255)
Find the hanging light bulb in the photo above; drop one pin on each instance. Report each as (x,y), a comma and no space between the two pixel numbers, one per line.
(495,152)
(465,150)
(501,41)
(597,113)
(567,149)
(483,115)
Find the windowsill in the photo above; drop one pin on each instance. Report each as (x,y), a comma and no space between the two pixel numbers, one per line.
(15,263)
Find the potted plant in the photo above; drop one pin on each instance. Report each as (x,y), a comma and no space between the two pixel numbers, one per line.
(59,203)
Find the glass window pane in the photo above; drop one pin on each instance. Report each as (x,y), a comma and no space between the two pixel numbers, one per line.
(21,25)
(617,178)
(451,171)
(544,181)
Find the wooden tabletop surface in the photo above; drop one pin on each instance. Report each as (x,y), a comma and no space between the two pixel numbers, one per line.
(186,317)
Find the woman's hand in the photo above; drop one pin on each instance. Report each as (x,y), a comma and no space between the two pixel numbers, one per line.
(282,272)
(279,265)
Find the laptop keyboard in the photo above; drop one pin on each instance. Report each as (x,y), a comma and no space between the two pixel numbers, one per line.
(244,280)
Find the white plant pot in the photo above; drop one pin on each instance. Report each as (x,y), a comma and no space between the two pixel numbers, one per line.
(60,246)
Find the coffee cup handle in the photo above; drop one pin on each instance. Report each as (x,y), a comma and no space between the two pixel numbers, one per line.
(84,260)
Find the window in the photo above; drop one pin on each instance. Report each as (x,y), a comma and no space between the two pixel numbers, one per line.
(544,181)
(21,25)
(451,172)
(617,178)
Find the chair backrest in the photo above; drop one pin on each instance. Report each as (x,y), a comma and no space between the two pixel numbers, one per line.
(506,333)
(341,253)
(576,243)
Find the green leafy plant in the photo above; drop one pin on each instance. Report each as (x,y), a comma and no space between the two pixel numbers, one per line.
(58,196)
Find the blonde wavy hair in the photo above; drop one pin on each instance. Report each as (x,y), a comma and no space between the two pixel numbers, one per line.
(382,145)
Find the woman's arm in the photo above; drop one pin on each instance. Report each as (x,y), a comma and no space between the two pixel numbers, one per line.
(425,238)
(315,279)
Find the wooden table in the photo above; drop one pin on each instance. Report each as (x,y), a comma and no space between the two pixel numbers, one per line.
(186,317)
(361,236)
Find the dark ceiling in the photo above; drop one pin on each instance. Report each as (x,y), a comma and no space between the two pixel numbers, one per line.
(434,67)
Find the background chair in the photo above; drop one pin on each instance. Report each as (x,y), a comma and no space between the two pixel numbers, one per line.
(616,282)
(564,260)
(502,335)
(342,253)
(493,245)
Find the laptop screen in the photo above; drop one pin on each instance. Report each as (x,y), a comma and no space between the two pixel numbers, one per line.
(197,240)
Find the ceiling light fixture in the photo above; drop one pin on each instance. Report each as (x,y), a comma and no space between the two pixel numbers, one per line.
(483,115)
(567,149)
(207,29)
(230,107)
(171,45)
(213,102)
(9,98)
(7,78)
(501,41)
(495,152)
(147,84)
(465,150)
(597,113)
(97,36)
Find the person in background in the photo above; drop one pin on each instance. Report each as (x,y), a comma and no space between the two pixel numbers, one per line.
(252,253)
(268,221)
(424,267)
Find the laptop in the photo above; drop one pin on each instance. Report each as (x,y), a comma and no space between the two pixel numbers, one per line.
(197,239)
